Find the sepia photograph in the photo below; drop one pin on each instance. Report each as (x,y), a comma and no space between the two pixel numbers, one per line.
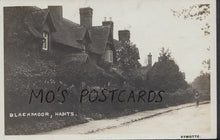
(113,69)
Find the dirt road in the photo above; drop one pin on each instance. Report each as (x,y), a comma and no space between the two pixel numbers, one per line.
(177,119)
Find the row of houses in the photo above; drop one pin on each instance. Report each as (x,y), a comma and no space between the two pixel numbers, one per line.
(70,42)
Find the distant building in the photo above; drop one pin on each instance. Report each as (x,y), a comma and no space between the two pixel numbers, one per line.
(145,69)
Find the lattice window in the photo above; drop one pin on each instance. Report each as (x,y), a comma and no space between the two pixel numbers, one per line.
(45,44)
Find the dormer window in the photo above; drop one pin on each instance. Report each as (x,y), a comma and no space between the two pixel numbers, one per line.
(45,41)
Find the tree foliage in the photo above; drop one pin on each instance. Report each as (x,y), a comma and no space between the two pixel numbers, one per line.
(199,12)
(195,12)
(165,54)
(206,63)
(202,83)
(165,74)
(127,56)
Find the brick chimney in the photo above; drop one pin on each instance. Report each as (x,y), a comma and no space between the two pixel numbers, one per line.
(110,24)
(86,17)
(149,60)
(124,35)
(56,11)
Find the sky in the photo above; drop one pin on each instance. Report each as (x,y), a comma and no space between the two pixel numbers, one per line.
(152,26)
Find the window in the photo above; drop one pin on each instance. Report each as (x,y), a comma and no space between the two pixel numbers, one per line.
(109,56)
(45,41)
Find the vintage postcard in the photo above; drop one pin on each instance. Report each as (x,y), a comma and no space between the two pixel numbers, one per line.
(94,69)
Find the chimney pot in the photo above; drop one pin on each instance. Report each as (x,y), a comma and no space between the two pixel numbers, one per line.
(150,60)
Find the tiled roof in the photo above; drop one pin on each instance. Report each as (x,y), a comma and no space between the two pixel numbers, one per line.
(99,37)
(33,31)
(76,57)
(68,32)
(36,19)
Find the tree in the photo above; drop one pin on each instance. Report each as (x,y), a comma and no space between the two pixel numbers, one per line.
(165,74)
(201,82)
(127,56)
(195,12)
(164,55)
(206,63)
(199,12)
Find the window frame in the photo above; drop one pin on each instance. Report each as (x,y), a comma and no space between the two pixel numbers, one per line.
(45,42)
(109,56)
